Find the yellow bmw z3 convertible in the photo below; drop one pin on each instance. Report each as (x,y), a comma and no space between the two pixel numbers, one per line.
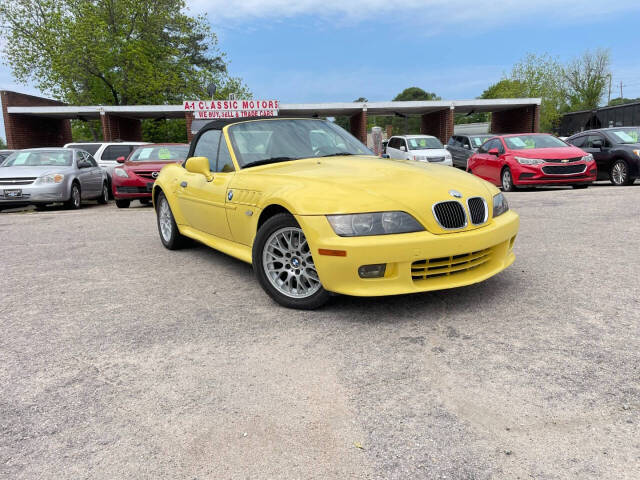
(315,212)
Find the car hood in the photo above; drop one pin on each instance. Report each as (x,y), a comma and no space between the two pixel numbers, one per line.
(549,153)
(155,165)
(22,171)
(430,152)
(353,184)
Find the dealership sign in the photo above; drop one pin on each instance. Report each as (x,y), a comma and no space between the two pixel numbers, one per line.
(211,109)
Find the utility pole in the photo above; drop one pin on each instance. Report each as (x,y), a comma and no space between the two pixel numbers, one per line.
(621,97)
(609,98)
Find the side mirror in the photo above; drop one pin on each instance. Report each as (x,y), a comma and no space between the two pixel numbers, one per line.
(199,165)
(494,151)
(120,159)
(403,148)
(466,146)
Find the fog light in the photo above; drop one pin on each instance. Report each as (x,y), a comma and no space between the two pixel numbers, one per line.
(372,271)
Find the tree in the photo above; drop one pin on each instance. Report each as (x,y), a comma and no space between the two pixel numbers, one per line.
(623,101)
(399,124)
(113,52)
(586,78)
(505,88)
(2,144)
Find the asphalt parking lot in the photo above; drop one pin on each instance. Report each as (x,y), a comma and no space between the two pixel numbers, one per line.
(120,359)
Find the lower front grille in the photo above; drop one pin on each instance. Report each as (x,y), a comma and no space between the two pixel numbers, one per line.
(450,215)
(564,169)
(435,159)
(446,266)
(132,190)
(17,181)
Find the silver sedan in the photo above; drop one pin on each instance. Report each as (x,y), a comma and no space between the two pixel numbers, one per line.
(40,176)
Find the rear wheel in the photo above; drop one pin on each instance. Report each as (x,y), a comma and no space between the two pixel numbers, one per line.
(74,201)
(170,237)
(103,199)
(123,203)
(284,266)
(507,180)
(619,174)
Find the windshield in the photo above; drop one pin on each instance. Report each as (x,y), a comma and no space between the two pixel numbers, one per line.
(424,143)
(40,158)
(525,142)
(91,148)
(625,135)
(267,141)
(479,140)
(159,153)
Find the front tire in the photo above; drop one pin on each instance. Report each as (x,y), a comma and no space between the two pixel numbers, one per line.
(507,181)
(103,199)
(74,201)
(170,237)
(619,174)
(121,203)
(284,266)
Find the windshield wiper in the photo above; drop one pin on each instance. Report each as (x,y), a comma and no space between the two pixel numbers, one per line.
(266,161)
(337,154)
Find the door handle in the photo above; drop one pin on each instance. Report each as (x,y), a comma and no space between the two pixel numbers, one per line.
(183,184)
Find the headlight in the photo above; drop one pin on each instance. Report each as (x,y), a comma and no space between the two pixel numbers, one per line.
(447,155)
(529,161)
(51,178)
(500,205)
(120,172)
(379,223)
(589,158)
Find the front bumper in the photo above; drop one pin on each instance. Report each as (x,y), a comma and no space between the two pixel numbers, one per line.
(415,262)
(35,193)
(535,175)
(131,188)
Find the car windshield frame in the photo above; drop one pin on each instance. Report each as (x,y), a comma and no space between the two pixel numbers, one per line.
(258,142)
(10,161)
(435,143)
(618,140)
(524,142)
(151,153)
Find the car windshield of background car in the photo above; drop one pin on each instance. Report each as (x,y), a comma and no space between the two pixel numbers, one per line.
(525,142)
(628,135)
(177,153)
(478,141)
(263,141)
(39,159)
(424,143)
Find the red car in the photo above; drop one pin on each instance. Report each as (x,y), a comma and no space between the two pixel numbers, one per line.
(133,180)
(532,159)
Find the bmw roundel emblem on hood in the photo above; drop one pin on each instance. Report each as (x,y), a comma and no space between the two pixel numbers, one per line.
(230,195)
(455,194)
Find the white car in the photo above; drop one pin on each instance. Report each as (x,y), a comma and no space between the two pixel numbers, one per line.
(107,153)
(422,148)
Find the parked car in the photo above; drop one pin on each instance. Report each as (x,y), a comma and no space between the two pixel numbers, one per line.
(462,147)
(133,179)
(106,153)
(532,159)
(422,148)
(41,176)
(336,219)
(4,154)
(616,152)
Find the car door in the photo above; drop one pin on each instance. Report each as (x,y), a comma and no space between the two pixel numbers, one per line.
(600,148)
(392,148)
(202,202)
(453,148)
(481,159)
(465,151)
(404,153)
(85,176)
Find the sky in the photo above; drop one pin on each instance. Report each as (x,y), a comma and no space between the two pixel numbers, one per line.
(338,50)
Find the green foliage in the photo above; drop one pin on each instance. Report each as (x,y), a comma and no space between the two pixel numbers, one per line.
(3,145)
(623,101)
(586,79)
(86,131)
(505,88)
(343,120)
(415,93)
(164,130)
(409,125)
(113,52)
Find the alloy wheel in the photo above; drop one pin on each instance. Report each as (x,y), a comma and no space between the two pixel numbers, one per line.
(288,265)
(506,180)
(619,173)
(166,220)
